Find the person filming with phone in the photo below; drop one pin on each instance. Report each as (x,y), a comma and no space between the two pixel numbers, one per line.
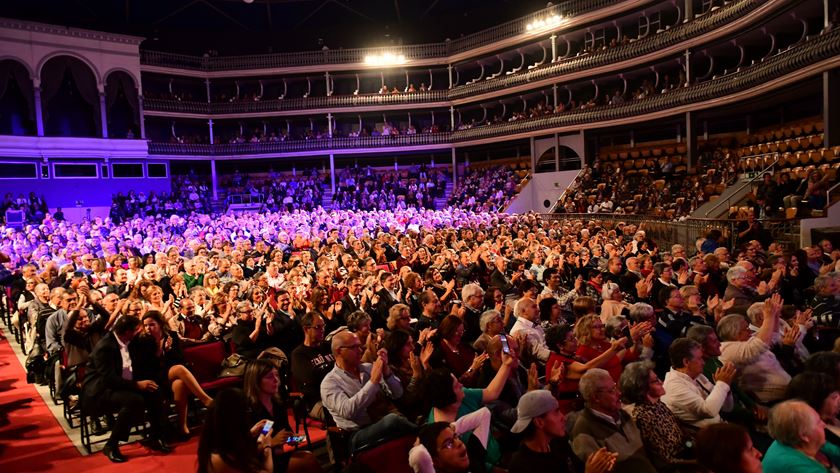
(262,389)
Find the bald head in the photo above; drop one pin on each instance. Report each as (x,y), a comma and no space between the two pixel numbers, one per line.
(342,339)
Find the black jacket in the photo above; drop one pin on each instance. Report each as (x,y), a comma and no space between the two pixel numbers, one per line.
(104,370)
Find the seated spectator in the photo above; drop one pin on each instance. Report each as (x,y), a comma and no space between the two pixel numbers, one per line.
(529,330)
(688,393)
(162,360)
(563,344)
(726,448)
(249,335)
(441,450)
(667,443)
(451,401)
(454,354)
(109,384)
(228,441)
(311,362)
(592,343)
(262,390)
(604,424)
(799,441)
(409,367)
(544,447)
(358,395)
(826,304)
(491,324)
(819,391)
(614,302)
(761,372)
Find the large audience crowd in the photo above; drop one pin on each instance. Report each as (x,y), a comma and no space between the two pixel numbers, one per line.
(502,342)
(487,188)
(360,188)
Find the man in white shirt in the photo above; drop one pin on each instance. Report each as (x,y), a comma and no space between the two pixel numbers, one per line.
(761,372)
(688,393)
(528,329)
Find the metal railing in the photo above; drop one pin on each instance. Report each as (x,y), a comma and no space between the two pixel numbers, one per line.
(743,186)
(245,199)
(440,50)
(666,233)
(681,33)
(291,146)
(819,48)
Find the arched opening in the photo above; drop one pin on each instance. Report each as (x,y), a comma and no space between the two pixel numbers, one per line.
(121,104)
(17,100)
(569,160)
(70,98)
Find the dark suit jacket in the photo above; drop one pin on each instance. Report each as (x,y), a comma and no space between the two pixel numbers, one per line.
(104,369)
(380,318)
(347,306)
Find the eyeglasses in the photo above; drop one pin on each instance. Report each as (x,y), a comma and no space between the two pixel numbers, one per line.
(450,442)
(350,347)
(611,389)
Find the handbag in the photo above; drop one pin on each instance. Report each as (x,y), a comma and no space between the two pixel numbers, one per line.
(233,366)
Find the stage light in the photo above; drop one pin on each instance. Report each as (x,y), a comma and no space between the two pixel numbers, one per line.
(544,23)
(385,59)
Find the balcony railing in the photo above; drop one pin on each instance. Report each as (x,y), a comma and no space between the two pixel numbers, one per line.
(357,55)
(824,46)
(291,146)
(684,32)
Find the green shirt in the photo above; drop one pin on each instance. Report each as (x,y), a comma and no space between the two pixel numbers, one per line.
(471,403)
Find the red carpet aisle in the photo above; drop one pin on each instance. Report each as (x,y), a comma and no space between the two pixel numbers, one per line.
(31,439)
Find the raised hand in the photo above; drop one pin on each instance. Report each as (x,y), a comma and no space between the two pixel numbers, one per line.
(791,336)
(557,374)
(726,373)
(376,371)
(533,377)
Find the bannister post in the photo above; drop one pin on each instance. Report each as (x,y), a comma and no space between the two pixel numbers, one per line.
(449,69)
(214,179)
(830,110)
(142,117)
(210,127)
(690,140)
(451,118)
(103,115)
(689,11)
(207,88)
(39,112)
(332,173)
(454,169)
(553,47)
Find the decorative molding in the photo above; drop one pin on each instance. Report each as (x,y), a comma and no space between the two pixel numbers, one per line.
(45,28)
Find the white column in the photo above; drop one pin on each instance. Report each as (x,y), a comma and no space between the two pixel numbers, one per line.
(214,178)
(553,47)
(103,115)
(210,127)
(454,169)
(39,112)
(142,117)
(332,172)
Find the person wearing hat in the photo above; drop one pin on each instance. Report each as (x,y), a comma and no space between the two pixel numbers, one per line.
(544,446)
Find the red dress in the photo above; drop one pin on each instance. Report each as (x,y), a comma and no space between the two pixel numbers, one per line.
(614,365)
(567,392)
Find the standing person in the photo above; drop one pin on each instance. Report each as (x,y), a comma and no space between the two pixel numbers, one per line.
(109,381)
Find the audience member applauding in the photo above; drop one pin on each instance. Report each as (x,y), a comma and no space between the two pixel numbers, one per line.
(603,423)
(799,444)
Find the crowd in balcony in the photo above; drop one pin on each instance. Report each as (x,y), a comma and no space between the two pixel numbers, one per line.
(711,349)
(33,208)
(364,188)
(190,194)
(280,192)
(488,188)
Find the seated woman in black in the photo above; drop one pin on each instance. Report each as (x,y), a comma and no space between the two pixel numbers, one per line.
(262,388)
(159,357)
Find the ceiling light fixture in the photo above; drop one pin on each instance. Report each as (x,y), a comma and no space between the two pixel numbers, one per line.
(385,59)
(544,23)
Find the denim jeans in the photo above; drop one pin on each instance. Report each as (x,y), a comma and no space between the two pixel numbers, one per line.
(389,427)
